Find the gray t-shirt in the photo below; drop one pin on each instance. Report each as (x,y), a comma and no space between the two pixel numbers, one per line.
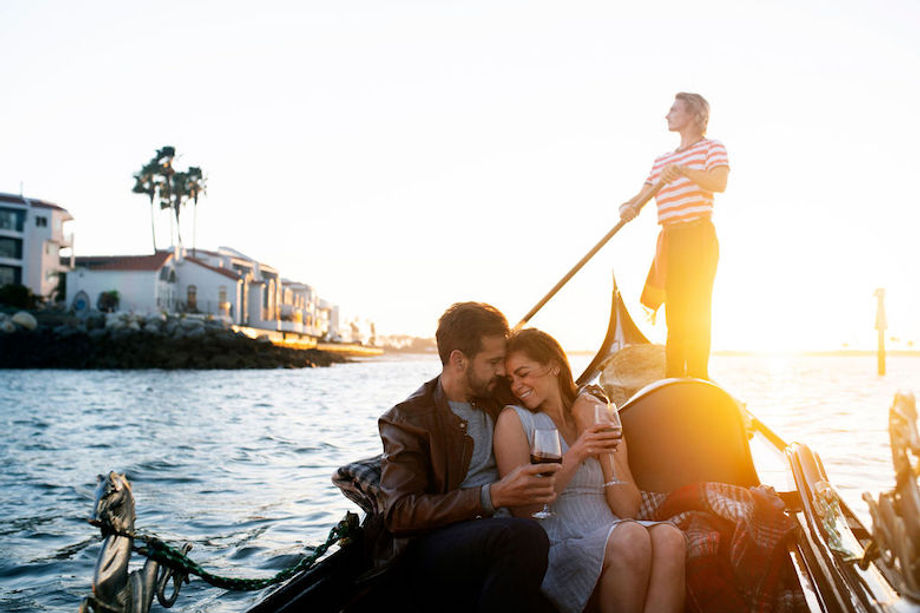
(479,427)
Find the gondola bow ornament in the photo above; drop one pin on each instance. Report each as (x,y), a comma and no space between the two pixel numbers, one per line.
(896,513)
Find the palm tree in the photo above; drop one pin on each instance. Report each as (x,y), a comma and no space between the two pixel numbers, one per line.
(160,180)
(196,185)
(145,183)
(177,197)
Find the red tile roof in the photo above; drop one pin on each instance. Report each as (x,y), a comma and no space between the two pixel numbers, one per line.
(124,262)
(227,273)
(32,201)
(12,198)
(46,205)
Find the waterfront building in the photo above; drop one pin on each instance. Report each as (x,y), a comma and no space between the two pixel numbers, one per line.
(225,284)
(35,250)
(212,290)
(142,283)
(261,295)
(327,320)
(297,307)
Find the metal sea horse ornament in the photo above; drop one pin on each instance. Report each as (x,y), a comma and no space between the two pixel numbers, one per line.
(896,514)
(114,588)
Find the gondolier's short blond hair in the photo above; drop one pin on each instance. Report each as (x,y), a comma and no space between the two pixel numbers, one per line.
(698,107)
(463,325)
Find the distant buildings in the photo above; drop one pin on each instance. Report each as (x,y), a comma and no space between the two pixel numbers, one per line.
(226,283)
(34,249)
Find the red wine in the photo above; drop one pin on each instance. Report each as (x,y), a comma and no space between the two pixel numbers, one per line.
(545,459)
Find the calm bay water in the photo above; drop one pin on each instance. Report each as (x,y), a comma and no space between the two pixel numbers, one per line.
(238,462)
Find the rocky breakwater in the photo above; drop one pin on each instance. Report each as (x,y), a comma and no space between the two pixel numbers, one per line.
(122,340)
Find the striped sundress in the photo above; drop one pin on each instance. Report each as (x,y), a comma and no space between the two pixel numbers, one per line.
(578,531)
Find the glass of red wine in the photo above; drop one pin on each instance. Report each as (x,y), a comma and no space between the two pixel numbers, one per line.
(611,419)
(546,448)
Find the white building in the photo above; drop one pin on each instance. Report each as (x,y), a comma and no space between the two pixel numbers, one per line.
(158,282)
(327,320)
(32,243)
(262,285)
(211,289)
(145,283)
(223,283)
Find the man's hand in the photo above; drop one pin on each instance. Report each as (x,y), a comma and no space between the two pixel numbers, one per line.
(524,486)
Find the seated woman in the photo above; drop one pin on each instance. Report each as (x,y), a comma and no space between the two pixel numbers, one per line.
(599,558)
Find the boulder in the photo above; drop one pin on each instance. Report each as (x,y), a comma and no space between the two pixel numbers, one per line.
(196,332)
(25,319)
(190,323)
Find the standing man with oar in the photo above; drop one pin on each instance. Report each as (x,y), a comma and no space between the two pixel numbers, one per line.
(687,253)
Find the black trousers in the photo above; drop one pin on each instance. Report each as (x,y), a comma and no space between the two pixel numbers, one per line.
(488,565)
(692,257)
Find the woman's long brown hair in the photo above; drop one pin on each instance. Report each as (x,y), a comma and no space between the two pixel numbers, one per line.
(544,349)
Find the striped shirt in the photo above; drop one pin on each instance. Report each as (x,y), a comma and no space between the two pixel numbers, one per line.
(682,199)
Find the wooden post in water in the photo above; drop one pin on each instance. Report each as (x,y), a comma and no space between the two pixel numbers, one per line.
(881,324)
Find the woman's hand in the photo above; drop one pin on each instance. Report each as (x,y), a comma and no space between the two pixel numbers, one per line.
(595,440)
(583,409)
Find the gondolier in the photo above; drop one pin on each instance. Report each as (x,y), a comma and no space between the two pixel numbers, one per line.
(687,253)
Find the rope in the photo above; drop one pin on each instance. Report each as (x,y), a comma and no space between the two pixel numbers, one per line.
(180,563)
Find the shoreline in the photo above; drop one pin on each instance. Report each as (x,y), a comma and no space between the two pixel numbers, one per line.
(125,342)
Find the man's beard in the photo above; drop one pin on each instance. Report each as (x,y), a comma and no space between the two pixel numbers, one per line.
(478,387)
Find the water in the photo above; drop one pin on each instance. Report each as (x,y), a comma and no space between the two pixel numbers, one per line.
(238,462)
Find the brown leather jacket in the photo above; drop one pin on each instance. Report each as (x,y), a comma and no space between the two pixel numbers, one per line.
(426,455)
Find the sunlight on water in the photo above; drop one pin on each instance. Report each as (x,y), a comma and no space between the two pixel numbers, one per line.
(239,462)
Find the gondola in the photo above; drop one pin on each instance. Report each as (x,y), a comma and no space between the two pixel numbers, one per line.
(683,431)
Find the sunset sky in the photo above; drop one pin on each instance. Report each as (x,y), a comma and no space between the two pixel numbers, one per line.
(403,155)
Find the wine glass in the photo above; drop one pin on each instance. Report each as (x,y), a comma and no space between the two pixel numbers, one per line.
(546,448)
(610,418)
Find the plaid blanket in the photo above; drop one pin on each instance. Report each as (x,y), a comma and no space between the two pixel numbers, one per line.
(360,483)
(736,546)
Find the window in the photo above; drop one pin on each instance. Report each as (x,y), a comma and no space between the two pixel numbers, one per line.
(41,222)
(10,248)
(192,298)
(10,274)
(11,219)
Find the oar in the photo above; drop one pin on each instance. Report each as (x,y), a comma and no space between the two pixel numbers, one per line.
(651,194)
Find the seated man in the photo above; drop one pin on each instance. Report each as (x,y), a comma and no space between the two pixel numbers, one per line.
(441,487)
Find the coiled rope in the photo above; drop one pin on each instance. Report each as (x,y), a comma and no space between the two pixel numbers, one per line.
(181,564)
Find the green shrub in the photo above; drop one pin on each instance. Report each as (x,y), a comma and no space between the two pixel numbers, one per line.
(18,296)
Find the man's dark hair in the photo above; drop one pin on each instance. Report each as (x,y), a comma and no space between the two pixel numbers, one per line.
(463,325)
